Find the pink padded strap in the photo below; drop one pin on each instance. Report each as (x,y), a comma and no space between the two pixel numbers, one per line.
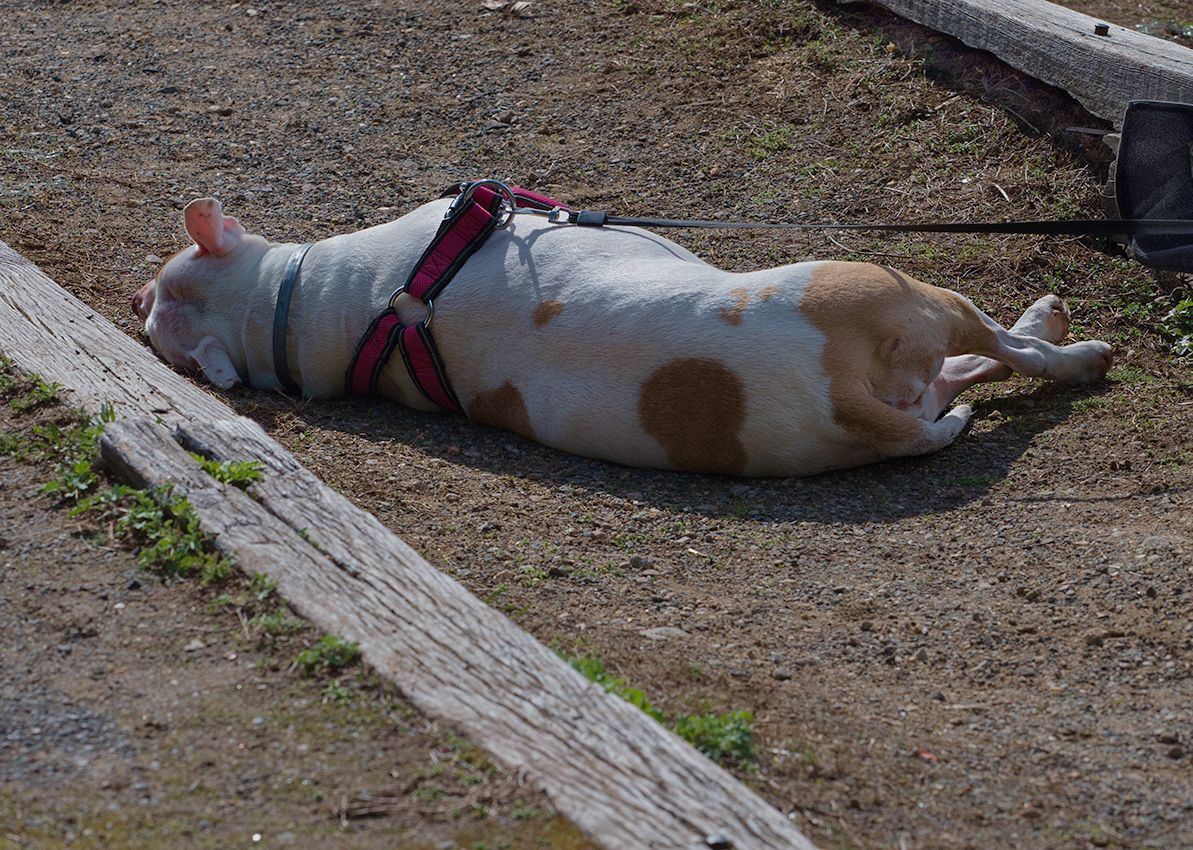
(373,353)
(426,367)
(449,244)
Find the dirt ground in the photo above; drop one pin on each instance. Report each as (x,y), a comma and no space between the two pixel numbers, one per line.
(988,647)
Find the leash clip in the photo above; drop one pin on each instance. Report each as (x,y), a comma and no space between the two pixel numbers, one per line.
(509,203)
(584,218)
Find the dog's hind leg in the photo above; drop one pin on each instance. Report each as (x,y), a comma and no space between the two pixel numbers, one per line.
(1047,320)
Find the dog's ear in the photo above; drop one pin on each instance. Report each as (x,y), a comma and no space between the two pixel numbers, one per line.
(212,231)
(215,364)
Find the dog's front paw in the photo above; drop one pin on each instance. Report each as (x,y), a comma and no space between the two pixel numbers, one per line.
(957,417)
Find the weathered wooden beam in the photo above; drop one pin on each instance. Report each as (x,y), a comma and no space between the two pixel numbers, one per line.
(1063,48)
(612,769)
(620,777)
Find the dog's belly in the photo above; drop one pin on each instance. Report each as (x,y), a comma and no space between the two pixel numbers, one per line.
(622,346)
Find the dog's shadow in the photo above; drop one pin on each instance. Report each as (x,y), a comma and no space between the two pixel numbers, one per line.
(1004,427)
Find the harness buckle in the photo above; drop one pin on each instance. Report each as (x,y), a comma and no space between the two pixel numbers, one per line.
(509,203)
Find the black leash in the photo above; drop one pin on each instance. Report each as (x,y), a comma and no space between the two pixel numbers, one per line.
(1112,228)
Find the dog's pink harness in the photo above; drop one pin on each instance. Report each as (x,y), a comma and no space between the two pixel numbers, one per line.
(479,208)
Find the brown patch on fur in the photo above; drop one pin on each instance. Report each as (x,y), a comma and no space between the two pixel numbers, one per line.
(695,408)
(503,407)
(767,293)
(880,326)
(546,311)
(732,315)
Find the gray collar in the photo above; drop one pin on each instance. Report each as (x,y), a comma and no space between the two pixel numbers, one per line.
(280,315)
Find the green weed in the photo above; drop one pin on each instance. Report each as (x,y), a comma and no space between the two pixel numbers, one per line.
(335,692)
(70,443)
(1177,325)
(527,814)
(172,542)
(727,737)
(72,481)
(773,141)
(279,623)
(720,736)
(37,394)
(238,473)
(164,524)
(74,450)
(330,653)
(593,669)
(1087,405)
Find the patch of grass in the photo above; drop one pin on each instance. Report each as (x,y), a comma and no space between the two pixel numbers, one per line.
(261,611)
(72,481)
(527,814)
(167,527)
(238,473)
(724,738)
(70,443)
(1177,325)
(335,692)
(75,452)
(593,669)
(1132,375)
(775,140)
(36,394)
(720,736)
(164,524)
(279,623)
(1088,405)
(329,654)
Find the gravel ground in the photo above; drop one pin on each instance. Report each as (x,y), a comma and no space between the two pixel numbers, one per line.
(988,647)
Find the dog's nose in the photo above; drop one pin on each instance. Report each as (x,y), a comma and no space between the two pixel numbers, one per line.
(143,300)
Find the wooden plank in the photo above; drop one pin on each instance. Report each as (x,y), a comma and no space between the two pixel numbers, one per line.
(1060,47)
(620,777)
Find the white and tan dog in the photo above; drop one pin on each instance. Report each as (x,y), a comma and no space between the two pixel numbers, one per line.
(616,343)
